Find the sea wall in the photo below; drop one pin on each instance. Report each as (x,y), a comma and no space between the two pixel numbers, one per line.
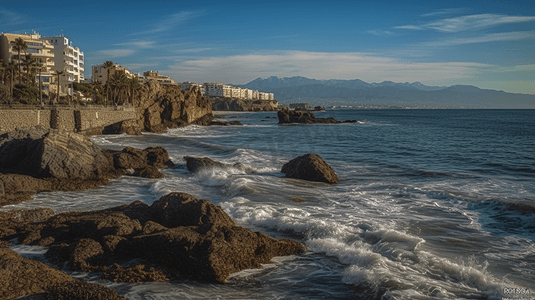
(74,120)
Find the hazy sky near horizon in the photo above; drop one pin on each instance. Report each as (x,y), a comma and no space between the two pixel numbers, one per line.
(489,44)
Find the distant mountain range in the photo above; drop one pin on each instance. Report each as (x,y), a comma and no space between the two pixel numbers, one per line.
(387,93)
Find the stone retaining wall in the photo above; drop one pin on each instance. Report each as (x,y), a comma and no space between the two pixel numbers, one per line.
(66,119)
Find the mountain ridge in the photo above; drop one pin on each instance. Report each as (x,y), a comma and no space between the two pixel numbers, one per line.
(387,93)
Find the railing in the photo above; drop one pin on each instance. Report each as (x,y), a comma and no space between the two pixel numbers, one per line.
(65,107)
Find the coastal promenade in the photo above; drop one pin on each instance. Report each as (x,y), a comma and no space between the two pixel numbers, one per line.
(69,118)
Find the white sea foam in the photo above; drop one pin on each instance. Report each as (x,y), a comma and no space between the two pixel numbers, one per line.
(375,256)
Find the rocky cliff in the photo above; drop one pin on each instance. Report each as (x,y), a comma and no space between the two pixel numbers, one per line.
(227,104)
(160,107)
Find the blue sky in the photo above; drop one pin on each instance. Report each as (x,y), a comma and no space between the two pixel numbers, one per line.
(489,44)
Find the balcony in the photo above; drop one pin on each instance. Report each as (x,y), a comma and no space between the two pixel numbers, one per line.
(43,55)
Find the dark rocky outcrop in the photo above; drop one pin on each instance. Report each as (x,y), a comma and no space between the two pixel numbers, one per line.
(287,116)
(194,164)
(310,167)
(37,160)
(177,236)
(228,104)
(142,163)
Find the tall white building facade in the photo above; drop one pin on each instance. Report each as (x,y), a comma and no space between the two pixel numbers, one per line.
(68,59)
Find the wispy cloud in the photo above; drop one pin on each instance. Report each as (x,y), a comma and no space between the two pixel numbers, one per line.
(171,22)
(320,65)
(446,11)
(493,37)
(10,18)
(192,50)
(379,32)
(410,27)
(525,68)
(469,22)
(138,44)
(117,53)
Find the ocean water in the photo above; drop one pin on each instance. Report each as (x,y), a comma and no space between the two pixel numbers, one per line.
(431,204)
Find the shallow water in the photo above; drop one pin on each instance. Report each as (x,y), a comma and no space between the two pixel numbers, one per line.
(422,211)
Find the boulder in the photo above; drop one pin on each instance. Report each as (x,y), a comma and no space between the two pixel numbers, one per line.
(132,158)
(181,209)
(310,167)
(195,164)
(141,163)
(54,154)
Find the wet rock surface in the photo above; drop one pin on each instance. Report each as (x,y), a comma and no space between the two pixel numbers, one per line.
(310,167)
(195,164)
(177,236)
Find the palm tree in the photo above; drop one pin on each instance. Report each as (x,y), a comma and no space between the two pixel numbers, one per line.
(133,83)
(39,65)
(58,73)
(31,66)
(11,70)
(20,45)
(118,81)
(108,64)
(97,85)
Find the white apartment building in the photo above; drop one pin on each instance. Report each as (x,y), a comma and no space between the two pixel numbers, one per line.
(68,59)
(265,96)
(216,89)
(39,49)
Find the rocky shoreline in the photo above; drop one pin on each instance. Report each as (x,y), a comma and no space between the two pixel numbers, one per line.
(177,237)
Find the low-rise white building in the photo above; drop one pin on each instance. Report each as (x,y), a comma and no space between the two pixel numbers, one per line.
(162,79)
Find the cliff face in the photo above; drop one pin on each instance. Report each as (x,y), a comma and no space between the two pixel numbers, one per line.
(226,104)
(163,106)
